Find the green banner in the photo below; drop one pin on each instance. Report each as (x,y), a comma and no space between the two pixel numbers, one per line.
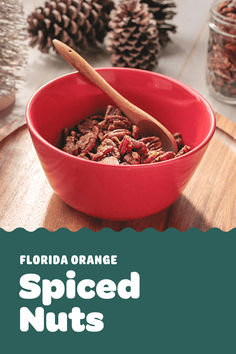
(118,292)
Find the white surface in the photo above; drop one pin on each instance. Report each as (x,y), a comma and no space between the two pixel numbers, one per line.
(183,59)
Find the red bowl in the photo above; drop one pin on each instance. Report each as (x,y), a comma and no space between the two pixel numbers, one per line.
(118,192)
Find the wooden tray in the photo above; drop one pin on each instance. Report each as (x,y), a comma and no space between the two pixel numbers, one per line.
(26,199)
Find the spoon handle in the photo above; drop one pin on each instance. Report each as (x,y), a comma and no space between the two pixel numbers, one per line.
(74,59)
(134,113)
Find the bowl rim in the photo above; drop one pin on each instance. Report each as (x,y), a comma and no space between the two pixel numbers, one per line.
(165,77)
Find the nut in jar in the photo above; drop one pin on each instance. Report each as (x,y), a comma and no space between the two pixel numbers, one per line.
(221,63)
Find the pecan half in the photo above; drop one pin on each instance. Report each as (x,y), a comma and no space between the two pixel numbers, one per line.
(152,142)
(183,151)
(71,145)
(88,141)
(132,158)
(118,133)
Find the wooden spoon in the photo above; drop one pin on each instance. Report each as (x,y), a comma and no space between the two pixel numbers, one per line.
(148,125)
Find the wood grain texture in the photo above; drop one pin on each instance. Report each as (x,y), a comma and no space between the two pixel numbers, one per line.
(26,199)
(226,125)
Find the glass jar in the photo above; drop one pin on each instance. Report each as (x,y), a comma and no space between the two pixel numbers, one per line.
(221,58)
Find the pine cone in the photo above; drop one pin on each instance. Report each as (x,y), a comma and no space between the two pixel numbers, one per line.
(162,11)
(78,23)
(133,39)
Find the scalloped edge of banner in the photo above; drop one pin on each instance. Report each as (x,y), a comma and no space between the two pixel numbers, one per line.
(129,229)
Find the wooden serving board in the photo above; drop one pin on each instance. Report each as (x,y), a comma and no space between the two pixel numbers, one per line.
(27,200)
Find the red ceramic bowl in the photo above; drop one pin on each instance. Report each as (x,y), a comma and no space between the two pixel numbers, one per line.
(118,192)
